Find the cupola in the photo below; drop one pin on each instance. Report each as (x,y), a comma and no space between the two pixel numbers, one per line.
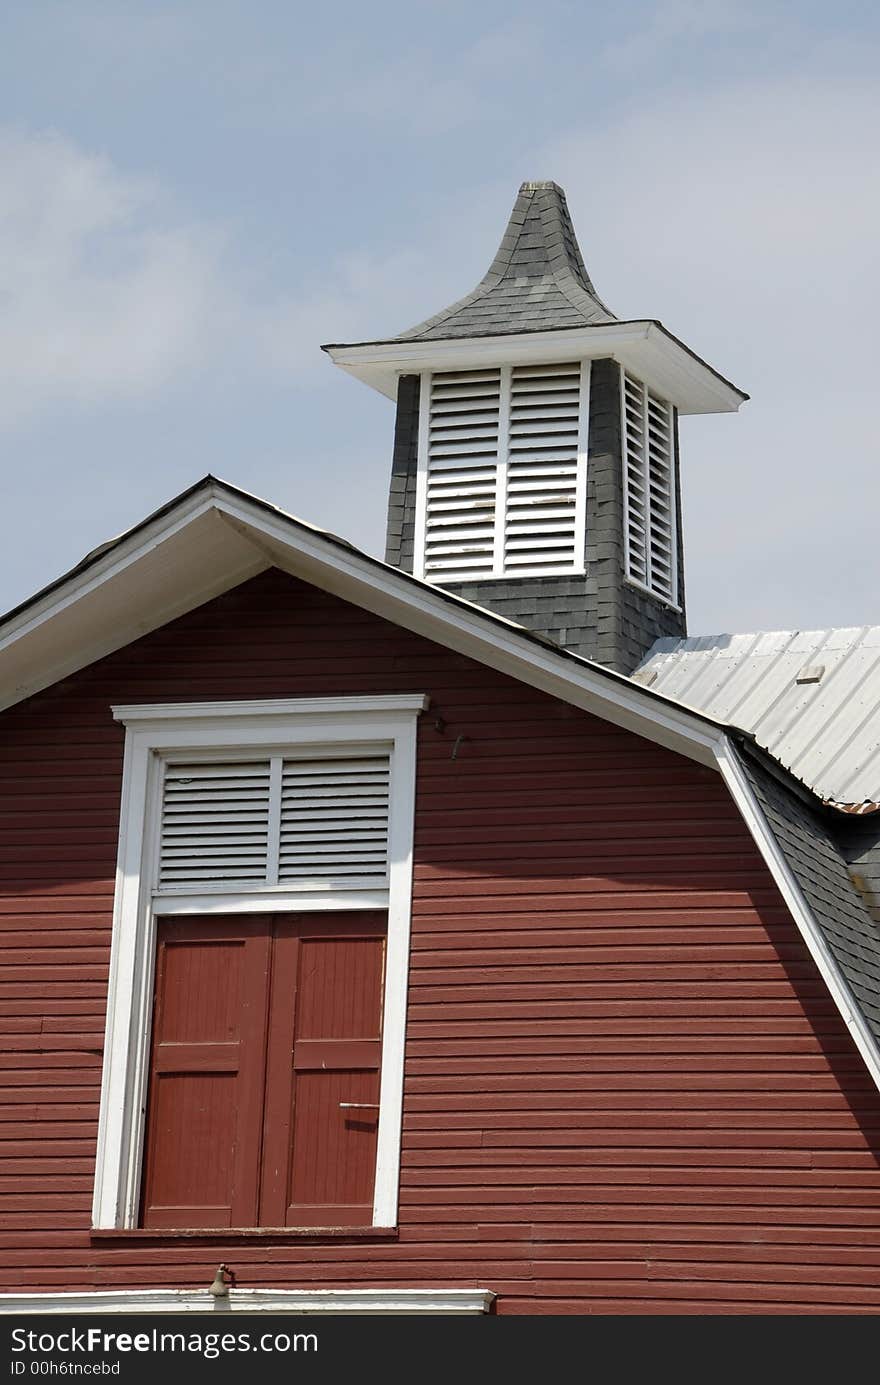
(536,467)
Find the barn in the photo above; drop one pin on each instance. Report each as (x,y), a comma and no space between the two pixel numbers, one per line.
(451,933)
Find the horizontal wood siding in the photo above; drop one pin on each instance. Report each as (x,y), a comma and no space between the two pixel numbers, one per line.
(626,1088)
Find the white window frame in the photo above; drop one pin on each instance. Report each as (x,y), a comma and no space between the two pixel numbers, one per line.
(153,732)
(499,571)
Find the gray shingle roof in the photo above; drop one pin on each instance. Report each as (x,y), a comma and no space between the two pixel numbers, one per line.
(807,838)
(859,841)
(537,281)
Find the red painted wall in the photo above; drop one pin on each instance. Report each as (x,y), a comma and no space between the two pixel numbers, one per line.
(626,1088)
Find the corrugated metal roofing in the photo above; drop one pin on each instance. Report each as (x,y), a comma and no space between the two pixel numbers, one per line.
(810,697)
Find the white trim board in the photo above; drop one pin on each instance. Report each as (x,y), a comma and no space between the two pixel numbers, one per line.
(643,346)
(323,1301)
(152,732)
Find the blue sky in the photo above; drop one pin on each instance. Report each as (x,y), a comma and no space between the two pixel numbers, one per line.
(193,196)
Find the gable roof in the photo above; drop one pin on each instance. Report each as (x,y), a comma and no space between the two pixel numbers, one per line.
(810,697)
(214,536)
(537,280)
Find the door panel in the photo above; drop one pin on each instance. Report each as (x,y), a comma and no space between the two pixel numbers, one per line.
(320,1162)
(206,1082)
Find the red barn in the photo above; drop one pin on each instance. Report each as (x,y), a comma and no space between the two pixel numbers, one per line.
(449,934)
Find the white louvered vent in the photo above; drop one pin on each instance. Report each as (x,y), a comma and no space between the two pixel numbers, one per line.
(462,467)
(541,519)
(649,490)
(319,821)
(215,823)
(503,472)
(334,818)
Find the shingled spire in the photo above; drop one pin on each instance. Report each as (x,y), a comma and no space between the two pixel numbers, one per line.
(535,468)
(536,282)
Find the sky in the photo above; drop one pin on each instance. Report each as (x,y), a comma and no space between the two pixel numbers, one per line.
(195,195)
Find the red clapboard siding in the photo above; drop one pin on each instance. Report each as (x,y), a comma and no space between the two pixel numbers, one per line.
(626,1088)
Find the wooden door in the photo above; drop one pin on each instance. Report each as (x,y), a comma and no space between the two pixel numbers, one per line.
(264,1080)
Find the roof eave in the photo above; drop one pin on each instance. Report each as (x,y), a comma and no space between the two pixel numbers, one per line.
(644,347)
(218,536)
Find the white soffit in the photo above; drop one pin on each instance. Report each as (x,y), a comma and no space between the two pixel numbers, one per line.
(218,536)
(810,697)
(644,348)
(154,575)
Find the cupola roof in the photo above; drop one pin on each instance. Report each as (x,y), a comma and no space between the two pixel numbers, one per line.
(537,304)
(537,281)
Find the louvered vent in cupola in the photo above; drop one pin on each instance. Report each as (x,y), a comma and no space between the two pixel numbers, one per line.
(542,494)
(462,473)
(649,490)
(502,474)
(316,822)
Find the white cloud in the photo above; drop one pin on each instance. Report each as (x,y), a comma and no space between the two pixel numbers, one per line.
(108,292)
(101,293)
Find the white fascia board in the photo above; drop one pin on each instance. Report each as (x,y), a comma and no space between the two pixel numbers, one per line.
(467,629)
(646,348)
(323,1301)
(753,815)
(111,564)
(99,610)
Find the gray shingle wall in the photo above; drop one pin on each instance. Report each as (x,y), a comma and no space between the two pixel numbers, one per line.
(599,615)
(807,839)
(859,841)
(400,533)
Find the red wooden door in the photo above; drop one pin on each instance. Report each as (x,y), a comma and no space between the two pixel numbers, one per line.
(264,1080)
(325,1051)
(207,1073)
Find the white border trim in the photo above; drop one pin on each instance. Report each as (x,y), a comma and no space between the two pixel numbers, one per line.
(643,346)
(397,1301)
(421,511)
(151,730)
(744,797)
(162,712)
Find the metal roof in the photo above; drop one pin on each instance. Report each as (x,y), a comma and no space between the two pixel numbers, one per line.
(810,697)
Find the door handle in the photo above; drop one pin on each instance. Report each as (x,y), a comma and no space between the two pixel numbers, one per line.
(358,1105)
